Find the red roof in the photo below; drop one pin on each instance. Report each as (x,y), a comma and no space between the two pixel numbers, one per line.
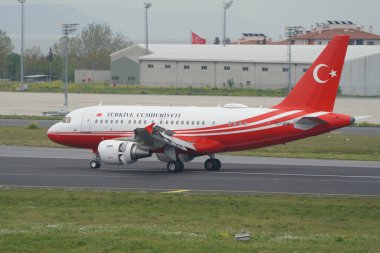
(329,34)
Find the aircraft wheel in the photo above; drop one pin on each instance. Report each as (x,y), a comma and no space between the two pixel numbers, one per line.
(218,164)
(175,166)
(212,164)
(95,164)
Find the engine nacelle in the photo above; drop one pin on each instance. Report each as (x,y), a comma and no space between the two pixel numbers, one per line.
(121,152)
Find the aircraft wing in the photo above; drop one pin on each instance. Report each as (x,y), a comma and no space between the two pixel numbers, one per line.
(154,136)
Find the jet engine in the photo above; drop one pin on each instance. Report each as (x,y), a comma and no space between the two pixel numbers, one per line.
(121,152)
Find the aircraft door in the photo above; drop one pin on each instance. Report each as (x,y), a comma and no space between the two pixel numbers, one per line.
(86,120)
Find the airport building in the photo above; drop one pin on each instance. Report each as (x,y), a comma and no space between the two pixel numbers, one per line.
(247,66)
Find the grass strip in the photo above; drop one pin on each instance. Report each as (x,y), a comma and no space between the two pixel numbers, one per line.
(106,88)
(90,221)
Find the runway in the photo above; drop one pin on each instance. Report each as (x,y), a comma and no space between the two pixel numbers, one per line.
(52,168)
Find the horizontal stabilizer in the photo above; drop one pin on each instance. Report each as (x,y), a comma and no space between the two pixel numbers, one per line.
(306,123)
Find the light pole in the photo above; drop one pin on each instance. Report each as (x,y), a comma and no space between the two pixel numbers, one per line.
(66,30)
(226,5)
(22,42)
(146,6)
(290,32)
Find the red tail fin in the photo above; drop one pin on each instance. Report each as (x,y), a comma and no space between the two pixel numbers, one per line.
(317,88)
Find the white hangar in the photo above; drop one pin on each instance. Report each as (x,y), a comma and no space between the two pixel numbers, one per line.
(246,66)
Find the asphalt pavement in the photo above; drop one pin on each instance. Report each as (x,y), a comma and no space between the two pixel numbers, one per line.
(69,168)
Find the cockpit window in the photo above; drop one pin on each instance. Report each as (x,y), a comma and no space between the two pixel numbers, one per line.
(66,119)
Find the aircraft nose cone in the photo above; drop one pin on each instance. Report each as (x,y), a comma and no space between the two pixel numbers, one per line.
(53,134)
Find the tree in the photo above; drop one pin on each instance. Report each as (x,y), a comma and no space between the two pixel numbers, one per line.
(98,43)
(5,49)
(13,66)
(216,41)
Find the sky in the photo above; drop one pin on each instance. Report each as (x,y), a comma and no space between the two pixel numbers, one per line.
(170,21)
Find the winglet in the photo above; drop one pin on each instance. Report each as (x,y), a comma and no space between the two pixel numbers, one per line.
(149,128)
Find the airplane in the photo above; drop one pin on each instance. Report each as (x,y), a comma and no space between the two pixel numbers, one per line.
(122,135)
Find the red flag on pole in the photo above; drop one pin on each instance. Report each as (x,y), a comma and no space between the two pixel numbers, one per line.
(196,39)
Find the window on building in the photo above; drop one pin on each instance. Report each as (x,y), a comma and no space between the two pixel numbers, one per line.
(248,83)
(370,43)
(304,70)
(245,68)
(204,67)
(285,69)
(150,66)
(167,66)
(187,67)
(115,78)
(359,42)
(227,68)
(319,42)
(131,79)
(265,69)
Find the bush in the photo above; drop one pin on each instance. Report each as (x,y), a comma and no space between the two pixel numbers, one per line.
(33,125)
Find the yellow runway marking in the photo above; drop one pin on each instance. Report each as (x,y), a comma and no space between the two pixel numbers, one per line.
(177,191)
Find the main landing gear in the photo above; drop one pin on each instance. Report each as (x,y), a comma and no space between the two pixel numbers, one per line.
(212,164)
(175,166)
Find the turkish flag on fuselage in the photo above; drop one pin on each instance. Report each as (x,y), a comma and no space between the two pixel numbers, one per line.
(196,39)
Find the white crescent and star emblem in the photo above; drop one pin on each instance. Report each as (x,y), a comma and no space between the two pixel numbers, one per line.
(316,77)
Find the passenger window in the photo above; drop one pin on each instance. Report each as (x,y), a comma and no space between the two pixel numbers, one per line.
(111,121)
(187,123)
(96,121)
(203,122)
(192,122)
(167,122)
(182,122)
(177,122)
(116,121)
(172,122)
(134,122)
(129,121)
(198,122)
(106,121)
(101,121)
(121,121)
(213,123)
(139,121)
